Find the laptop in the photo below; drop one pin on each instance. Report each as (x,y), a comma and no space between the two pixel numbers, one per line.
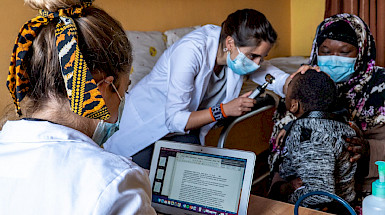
(194,179)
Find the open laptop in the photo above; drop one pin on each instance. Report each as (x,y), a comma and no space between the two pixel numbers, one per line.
(193,179)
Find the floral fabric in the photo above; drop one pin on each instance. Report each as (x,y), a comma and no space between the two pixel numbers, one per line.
(363,95)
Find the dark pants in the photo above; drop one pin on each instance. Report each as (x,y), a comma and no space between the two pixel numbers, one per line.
(143,157)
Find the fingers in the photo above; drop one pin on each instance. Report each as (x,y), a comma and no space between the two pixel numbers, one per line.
(355,158)
(296,183)
(280,136)
(304,68)
(316,68)
(356,128)
(239,106)
(244,109)
(355,141)
(246,94)
(246,105)
(355,149)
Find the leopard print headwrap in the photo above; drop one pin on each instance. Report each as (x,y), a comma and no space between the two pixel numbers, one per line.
(82,91)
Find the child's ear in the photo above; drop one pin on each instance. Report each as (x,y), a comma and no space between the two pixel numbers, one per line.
(294,106)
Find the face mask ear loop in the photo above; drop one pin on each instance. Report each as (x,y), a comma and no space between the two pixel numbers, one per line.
(113,86)
(116,90)
(239,51)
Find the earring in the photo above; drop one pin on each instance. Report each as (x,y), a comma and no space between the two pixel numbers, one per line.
(225,49)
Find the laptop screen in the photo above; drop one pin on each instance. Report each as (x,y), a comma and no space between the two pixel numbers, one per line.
(198,182)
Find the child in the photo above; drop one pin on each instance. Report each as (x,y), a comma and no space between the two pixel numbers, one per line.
(314,154)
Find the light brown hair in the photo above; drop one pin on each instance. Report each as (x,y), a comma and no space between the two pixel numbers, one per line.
(101,40)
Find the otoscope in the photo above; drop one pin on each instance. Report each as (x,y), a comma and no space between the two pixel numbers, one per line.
(260,89)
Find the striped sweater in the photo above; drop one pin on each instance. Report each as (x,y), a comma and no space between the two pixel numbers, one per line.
(316,152)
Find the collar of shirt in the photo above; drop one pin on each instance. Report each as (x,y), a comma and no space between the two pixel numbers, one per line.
(32,131)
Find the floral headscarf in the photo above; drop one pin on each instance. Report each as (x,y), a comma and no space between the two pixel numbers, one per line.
(363,93)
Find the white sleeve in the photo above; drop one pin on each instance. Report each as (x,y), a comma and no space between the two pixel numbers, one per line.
(279,75)
(129,193)
(185,61)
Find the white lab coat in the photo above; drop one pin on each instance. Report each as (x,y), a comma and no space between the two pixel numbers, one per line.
(46,168)
(162,101)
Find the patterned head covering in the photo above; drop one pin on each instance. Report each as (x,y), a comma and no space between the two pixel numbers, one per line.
(82,90)
(364,91)
(341,31)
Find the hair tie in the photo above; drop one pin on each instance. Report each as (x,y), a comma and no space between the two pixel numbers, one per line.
(82,91)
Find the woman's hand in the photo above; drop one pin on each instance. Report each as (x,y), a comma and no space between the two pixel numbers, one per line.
(358,145)
(301,70)
(296,183)
(280,137)
(239,106)
(291,186)
(281,188)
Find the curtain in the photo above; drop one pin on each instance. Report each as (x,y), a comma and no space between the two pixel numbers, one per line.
(371,11)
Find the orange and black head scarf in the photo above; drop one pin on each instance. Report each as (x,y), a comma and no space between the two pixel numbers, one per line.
(82,90)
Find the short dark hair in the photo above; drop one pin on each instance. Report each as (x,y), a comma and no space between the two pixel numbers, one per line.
(315,90)
(248,27)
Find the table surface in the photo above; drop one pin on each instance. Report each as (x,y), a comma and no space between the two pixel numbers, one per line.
(263,206)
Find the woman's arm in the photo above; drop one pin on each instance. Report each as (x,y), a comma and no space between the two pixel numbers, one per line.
(376,151)
(185,64)
(235,107)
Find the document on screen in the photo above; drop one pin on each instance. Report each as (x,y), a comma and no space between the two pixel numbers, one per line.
(204,180)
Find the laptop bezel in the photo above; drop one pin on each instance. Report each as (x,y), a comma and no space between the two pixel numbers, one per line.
(247,180)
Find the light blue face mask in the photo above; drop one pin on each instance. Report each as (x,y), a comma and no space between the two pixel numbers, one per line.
(241,65)
(339,68)
(105,130)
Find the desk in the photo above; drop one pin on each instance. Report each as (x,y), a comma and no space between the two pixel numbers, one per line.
(263,206)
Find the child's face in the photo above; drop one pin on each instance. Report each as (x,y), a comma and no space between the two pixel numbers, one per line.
(288,95)
(293,105)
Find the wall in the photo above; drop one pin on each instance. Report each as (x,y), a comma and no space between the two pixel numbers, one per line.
(13,14)
(305,17)
(160,15)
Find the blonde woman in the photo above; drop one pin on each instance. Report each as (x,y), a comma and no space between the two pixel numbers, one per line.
(71,64)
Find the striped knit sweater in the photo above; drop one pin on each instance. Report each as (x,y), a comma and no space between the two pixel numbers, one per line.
(316,152)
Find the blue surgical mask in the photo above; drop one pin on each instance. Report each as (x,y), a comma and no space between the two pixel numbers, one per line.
(105,130)
(241,65)
(339,68)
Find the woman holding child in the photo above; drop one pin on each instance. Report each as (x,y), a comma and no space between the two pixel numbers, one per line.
(345,49)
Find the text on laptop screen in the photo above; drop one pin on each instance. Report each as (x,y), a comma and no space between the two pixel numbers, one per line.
(204,183)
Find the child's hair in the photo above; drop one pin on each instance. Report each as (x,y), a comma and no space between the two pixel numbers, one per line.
(315,90)
(248,27)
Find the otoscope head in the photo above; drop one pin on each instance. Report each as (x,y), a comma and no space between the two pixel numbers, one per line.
(269,78)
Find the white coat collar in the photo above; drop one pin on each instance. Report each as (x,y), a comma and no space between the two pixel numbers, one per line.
(32,131)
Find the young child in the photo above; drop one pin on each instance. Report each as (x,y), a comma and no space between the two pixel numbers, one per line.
(314,154)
